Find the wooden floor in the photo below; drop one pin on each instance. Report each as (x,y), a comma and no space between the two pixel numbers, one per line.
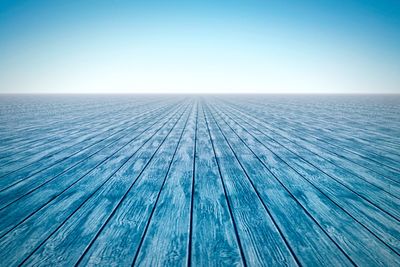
(200,181)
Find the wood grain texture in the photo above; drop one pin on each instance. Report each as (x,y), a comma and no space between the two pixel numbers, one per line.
(250,180)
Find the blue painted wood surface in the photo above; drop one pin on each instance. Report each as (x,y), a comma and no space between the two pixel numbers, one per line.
(249,180)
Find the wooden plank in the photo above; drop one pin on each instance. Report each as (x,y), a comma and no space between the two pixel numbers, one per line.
(86,223)
(55,153)
(380,192)
(311,141)
(119,239)
(327,202)
(343,141)
(367,215)
(263,243)
(19,189)
(305,235)
(349,122)
(47,141)
(167,235)
(55,126)
(72,119)
(30,203)
(214,241)
(367,143)
(232,180)
(336,124)
(23,239)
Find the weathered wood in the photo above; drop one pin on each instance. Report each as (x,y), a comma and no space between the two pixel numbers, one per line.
(94,213)
(200,181)
(49,217)
(214,241)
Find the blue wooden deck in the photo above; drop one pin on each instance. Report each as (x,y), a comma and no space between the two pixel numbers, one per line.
(200,181)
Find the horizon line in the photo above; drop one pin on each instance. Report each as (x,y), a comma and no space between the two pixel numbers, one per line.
(109,93)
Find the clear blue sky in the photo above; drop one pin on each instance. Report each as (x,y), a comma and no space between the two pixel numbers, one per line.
(100,46)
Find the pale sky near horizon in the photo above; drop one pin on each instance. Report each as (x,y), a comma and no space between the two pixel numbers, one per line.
(119,46)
